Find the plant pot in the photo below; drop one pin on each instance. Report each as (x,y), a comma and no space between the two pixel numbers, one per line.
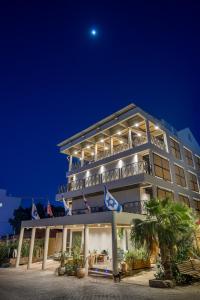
(157,283)
(61,271)
(80,273)
(124,267)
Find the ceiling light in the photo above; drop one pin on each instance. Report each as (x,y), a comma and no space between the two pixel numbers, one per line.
(88,147)
(156,127)
(106,148)
(102,140)
(75,152)
(136,125)
(121,142)
(138,134)
(119,132)
(92,153)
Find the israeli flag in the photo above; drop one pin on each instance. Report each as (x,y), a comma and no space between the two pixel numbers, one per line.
(68,211)
(34,212)
(110,202)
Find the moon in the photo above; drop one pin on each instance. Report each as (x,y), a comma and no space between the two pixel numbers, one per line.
(93,32)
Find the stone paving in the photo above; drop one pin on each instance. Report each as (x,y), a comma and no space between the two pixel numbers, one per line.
(17,284)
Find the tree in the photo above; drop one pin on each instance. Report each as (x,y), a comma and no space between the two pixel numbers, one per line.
(166,224)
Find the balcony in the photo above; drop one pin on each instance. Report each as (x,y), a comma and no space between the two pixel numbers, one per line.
(158,143)
(107,176)
(137,141)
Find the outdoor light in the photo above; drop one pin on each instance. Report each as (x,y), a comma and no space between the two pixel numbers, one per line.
(121,142)
(156,127)
(88,147)
(102,140)
(136,125)
(75,152)
(138,134)
(92,153)
(105,148)
(119,132)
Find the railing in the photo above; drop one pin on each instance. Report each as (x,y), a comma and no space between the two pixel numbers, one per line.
(137,207)
(137,141)
(158,143)
(107,176)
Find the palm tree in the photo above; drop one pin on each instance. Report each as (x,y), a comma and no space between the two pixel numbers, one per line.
(167,222)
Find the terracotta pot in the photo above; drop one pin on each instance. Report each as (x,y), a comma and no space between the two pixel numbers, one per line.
(80,273)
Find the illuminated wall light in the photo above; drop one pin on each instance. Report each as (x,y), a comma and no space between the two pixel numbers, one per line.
(102,168)
(105,148)
(101,140)
(121,142)
(92,153)
(87,173)
(119,132)
(75,152)
(99,225)
(156,127)
(88,147)
(120,163)
(136,125)
(138,134)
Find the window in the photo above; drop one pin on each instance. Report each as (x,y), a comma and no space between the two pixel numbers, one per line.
(175,149)
(180,176)
(184,199)
(188,156)
(161,166)
(196,204)
(161,194)
(193,184)
(197,162)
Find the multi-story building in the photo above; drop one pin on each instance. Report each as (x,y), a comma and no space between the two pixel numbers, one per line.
(137,157)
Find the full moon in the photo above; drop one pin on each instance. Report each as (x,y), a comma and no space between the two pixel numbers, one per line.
(93,32)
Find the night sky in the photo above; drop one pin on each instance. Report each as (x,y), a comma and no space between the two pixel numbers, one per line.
(56,79)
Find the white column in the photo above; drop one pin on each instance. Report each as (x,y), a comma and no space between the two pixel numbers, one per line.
(86,250)
(111,145)
(70,162)
(130,143)
(19,246)
(82,158)
(30,257)
(95,151)
(64,239)
(114,245)
(46,245)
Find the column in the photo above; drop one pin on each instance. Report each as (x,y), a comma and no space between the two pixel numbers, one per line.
(31,248)
(64,239)
(114,245)
(70,162)
(82,158)
(19,246)
(95,151)
(111,145)
(86,251)
(148,132)
(130,143)
(46,245)
(70,242)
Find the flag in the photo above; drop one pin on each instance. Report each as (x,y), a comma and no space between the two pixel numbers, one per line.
(49,210)
(68,211)
(86,204)
(110,202)
(34,212)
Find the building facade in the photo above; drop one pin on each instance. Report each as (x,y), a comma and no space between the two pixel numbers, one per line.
(137,157)
(7,206)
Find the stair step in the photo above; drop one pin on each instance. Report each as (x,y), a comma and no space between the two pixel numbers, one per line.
(100,273)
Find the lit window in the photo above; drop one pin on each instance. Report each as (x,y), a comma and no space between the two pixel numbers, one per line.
(193,184)
(161,167)
(180,176)
(175,149)
(188,157)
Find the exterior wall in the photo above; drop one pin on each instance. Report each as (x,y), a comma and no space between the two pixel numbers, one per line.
(100,239)
(7,206)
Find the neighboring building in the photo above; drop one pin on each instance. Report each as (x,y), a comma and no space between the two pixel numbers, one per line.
(7,206)
(137,157)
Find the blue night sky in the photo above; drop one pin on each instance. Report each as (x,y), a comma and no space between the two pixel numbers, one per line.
(56,78)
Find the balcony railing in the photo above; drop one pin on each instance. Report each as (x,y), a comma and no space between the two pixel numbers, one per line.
(158,143)
(107,176)
(137,141)
(137,207)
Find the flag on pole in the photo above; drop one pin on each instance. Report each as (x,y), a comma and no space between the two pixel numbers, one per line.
(86,204)
(110,202)
(68,211)
(34,212)
(49,209)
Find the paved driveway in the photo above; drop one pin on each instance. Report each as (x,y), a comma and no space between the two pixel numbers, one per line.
(37,284)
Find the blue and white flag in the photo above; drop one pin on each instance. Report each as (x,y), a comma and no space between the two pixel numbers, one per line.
(110,202)
(34,212)
(68,211)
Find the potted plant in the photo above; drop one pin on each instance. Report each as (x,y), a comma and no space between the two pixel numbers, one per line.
(61,269)
(80,268)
